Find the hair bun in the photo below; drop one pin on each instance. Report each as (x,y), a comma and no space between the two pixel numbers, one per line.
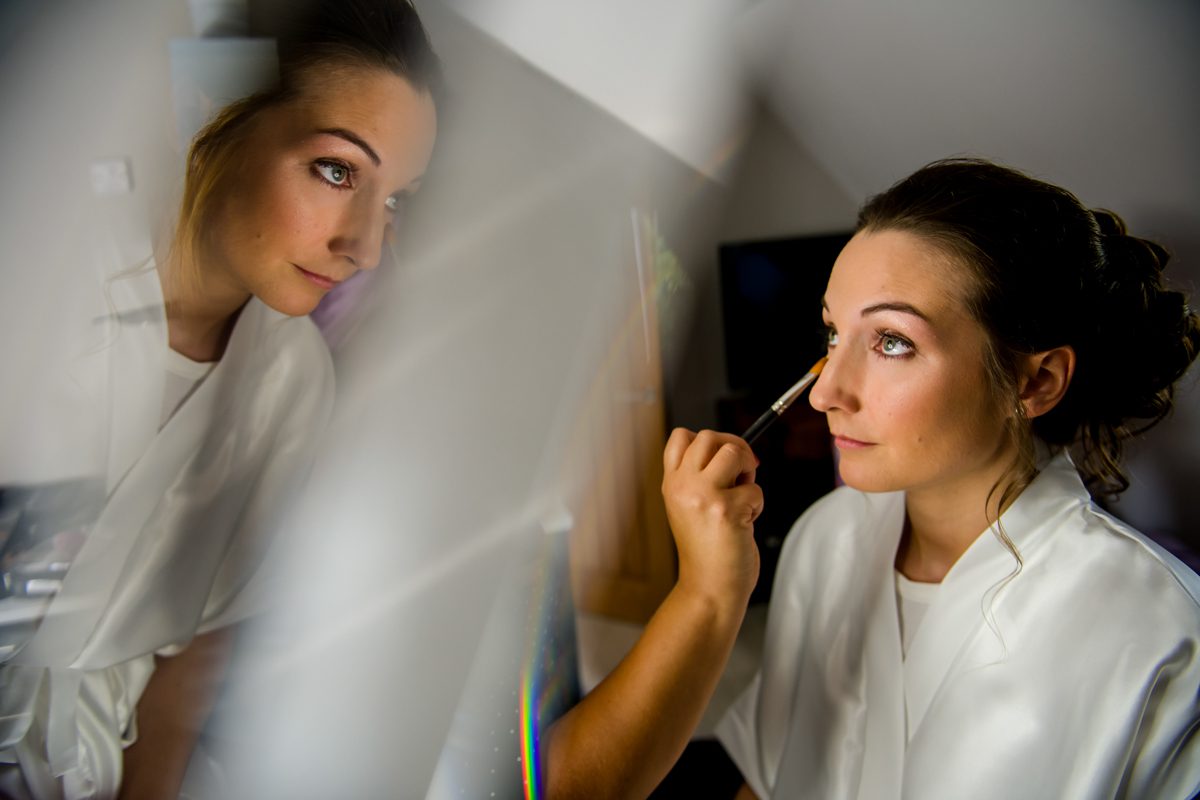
(1108,223)
(1151,328)
(1132,256)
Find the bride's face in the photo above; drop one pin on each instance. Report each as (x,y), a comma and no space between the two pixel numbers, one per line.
(906,391)
(317,185)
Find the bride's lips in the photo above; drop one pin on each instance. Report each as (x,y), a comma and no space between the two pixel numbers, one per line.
(319,280)
(846,443)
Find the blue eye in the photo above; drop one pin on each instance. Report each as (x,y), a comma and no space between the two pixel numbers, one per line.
(894,346)
(831,337)
(335,173)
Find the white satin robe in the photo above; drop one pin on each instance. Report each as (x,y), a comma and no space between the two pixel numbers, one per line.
(1079,678)
(186,524)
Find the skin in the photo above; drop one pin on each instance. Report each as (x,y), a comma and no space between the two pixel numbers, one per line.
(621,740)
(316,187)
(908,399)
(905,391)
(171,713)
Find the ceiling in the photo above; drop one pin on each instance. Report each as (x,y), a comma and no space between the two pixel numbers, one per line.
(1098,95)
(666,68)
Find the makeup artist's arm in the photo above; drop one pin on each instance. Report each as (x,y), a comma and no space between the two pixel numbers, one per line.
(171,713)
(622,738)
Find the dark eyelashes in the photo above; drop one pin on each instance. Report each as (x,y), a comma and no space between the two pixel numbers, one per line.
(884,333)
(320,163)
(882,336)
(394,203)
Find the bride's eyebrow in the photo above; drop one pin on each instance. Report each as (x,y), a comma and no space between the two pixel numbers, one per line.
(905,308)
(356,140)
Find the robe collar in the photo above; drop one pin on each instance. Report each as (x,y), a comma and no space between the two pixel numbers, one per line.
(137,367)
(977,584)
(145,462)
(845,733)
(882,770)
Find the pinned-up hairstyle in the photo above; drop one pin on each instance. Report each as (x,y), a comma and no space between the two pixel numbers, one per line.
(1046,272)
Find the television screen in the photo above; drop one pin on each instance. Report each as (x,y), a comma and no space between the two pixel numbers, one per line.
(771,298)
(771,295)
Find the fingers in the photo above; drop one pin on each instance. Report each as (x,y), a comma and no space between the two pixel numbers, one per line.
(731,464)
(725,458)
(703,448)
(748,497)
(677,445)
(722,455)
(712,503)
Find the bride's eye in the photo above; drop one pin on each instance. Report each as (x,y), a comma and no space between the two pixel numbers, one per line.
(334,173)
(893,346)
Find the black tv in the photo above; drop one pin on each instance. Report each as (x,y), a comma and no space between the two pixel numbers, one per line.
(771,301)
(771,306)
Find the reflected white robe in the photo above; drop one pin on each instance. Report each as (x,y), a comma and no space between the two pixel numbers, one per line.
(1079,678)
(186,525)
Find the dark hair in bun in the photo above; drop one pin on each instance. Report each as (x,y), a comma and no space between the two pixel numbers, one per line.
(1048,272)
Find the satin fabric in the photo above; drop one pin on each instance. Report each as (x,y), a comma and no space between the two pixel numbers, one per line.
(1076,675)
(186,525)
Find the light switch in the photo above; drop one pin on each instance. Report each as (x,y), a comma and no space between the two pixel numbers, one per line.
(111,176)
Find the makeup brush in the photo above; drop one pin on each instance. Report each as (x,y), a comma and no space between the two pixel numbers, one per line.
(781,405)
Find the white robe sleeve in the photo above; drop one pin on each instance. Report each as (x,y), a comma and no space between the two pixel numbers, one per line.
(1167,765)
(243,584)
(1164,757)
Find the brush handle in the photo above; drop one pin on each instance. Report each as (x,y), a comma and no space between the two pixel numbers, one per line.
(760,426)
(781,405)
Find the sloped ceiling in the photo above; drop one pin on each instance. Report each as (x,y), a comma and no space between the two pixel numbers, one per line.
(667,68)
(1102,96)
(1099,95)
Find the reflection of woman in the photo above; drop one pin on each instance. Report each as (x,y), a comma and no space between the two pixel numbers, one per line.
(208,389)
(961,620)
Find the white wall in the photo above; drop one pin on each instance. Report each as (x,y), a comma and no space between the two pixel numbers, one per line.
(80,81)
(666,68)
(83,81)
(778,189)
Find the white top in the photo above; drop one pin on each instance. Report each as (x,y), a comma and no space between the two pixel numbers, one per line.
(913,598)
(183,376)
(1076,677)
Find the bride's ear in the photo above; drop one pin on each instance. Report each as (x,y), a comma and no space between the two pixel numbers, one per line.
(1044,379)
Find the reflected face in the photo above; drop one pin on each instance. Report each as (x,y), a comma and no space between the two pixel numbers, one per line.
(317,185)
(905,390)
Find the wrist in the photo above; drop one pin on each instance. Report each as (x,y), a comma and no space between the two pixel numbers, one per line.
(723,606)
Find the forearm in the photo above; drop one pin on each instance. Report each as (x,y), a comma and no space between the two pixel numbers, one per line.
(622,738)
(170,714)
